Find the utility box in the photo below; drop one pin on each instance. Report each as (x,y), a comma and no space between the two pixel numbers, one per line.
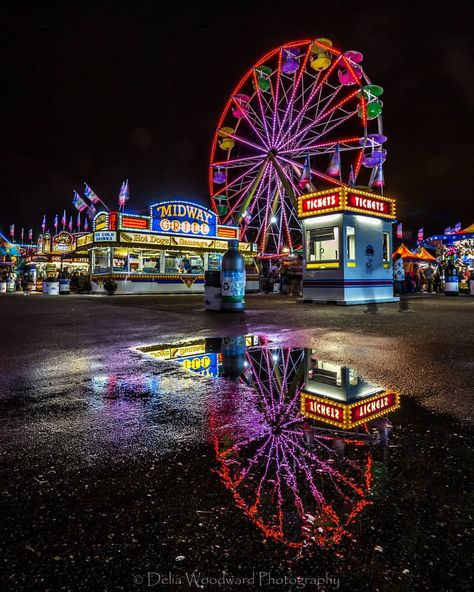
(347,240)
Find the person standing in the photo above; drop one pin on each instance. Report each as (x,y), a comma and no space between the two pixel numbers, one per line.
(429,278)
(398,274)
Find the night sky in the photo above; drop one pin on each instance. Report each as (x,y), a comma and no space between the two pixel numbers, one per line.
(109,91)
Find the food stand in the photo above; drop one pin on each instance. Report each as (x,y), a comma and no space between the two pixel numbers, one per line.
(347,238)
(167,251)
(54,254)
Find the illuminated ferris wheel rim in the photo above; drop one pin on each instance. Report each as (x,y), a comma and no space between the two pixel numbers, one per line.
(269,169)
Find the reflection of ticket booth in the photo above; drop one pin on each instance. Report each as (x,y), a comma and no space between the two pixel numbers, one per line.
(339,396)
(347,246)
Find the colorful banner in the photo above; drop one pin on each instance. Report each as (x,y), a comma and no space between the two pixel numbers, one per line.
(400,231)
(90,194)
(420,234)
(78,202)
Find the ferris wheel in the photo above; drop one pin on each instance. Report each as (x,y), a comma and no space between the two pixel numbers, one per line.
(305,117)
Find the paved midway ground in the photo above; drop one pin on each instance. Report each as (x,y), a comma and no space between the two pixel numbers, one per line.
(423,347)
(108,474)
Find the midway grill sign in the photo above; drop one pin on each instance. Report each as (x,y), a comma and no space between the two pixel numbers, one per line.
(181,217)
(348,415)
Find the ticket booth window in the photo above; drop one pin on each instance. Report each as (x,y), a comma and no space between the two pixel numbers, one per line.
(323,244)
(386,247)
(350,254)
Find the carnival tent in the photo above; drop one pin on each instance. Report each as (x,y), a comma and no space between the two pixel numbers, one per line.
(404,252)
(425,255)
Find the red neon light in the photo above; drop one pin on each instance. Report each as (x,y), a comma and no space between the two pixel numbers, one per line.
(113,221)
(141,223)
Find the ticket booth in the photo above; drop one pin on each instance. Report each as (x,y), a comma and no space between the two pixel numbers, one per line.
(347,238)
(338,396)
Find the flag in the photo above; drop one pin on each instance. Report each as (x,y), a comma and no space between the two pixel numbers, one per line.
(78,202)
(90,194)
(70,223)
(43,224)
(457,227)
(305,173)
(352,180)
(12,231)
(334,168)
(30,235)
(64,220)
(78,222)
(56,222)
(91,211)
(124,194)
(400,230)
(420,234)
(22,235)
(379,180)
(86,225)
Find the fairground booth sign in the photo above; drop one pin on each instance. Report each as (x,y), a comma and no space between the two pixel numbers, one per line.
(168,250)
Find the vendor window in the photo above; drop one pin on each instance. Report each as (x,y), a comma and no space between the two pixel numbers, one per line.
(350,245)
(101,261)
(120,260)
(151,262)
(386,246)
(323,244)
(134,262)
(184,263)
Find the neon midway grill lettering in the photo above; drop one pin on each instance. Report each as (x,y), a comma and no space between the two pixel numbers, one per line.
(319,203)
(183,211)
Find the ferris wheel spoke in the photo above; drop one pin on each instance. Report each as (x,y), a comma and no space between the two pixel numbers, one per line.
(321,148)
(251,124)
(321,117)
(336,123)
(237,162)
(262,110)
(296,84)
(275,95)
(316,87)
(236,180)
(313,172)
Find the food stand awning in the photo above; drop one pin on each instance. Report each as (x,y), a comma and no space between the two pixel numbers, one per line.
(425,255)
(404,252)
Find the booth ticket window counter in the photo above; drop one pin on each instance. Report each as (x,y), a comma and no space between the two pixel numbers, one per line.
(165,252)
(347,246)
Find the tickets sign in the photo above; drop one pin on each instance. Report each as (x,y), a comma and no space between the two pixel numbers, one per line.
(348,415)
(369,204)
(181,217)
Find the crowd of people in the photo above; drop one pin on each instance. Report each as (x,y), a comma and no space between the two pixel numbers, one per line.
(285,278)
(411,277)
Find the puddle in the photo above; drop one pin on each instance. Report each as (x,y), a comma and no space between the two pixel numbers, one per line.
(300,443)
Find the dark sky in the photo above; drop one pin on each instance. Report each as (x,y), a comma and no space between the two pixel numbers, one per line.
(101,92)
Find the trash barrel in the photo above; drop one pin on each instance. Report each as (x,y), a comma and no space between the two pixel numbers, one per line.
(212,290)
(451,281)
(64,286)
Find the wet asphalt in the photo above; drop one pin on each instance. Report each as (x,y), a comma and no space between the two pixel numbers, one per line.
(110,479)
